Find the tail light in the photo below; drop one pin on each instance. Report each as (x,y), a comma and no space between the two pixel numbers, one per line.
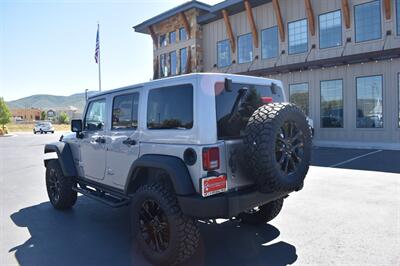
(211,158)
(266,99)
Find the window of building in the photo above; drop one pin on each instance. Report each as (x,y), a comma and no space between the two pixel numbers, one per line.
(125,111)
(269,43)
(163,40)
(182,34)
(224,53)
(369,102)
(95,115)
(172,37)
(398,86)
(330,29)
(368,21)
(299,95)
(163,66)
(398,16)
(183,59)
(245,48)
(170,107)
(332,103)
(173,63)
(298,37)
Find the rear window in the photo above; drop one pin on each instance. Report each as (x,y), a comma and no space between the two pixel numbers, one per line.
(170,107)
(234,108)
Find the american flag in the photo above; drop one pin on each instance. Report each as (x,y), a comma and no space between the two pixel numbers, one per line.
(97,50)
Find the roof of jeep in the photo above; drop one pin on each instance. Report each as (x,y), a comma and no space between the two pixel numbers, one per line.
(185,76)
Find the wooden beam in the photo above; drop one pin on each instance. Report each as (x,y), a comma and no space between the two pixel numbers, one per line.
(346,13)
(252,23)
(388,9)
(153,36)
(185,23)
(229,30)
(310,16)
(279,19)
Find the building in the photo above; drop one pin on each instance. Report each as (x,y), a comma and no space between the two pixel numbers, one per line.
(338,59)
(27,114)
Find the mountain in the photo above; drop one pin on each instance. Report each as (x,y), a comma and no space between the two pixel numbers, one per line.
(46,101)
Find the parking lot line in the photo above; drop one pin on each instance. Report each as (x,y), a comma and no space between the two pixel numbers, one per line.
(355,158)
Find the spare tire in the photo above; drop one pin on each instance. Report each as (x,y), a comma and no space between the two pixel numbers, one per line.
(277,146)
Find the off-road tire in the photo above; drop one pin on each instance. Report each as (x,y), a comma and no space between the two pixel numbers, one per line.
(265,214)
(66,195)
(263,134)
(183,232)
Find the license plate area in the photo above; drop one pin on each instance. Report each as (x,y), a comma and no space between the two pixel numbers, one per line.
(212,185)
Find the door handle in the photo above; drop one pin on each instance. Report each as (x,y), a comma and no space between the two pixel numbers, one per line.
(129,142)
(100,140)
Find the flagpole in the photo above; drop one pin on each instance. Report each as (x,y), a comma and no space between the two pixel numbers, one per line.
(98,28)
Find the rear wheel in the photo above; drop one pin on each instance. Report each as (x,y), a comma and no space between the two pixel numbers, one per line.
(59,187)
(163,233)
(262,214)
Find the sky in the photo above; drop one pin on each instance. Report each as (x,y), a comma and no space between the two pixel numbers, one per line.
(47,47)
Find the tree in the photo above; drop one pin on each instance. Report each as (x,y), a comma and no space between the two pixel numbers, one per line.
(5,114)
(43,115)
(63,118)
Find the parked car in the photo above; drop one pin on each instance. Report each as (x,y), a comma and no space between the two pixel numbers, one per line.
(181,149)
(43,127)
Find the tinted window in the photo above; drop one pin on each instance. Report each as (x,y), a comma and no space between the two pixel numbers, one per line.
(368,21)
(298,37)
(182,34)
(369,102)
(183,59)
(172,62)
(125,111)
(332,103)
(172,37)
(170,108)
(330,29)
(298,94)
(234,108)
(95,115)
(223,53)
(245,48)
(269,43)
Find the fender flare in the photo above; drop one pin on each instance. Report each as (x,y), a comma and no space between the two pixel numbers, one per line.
(64,155)
(174,166)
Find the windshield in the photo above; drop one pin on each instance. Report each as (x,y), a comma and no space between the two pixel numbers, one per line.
(235,107)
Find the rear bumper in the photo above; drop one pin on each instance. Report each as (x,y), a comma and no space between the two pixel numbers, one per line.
(225,205)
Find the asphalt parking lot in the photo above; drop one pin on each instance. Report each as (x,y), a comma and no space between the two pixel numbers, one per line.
(347,214)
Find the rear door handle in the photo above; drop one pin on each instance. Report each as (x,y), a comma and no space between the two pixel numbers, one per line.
(101,140)
(129,142)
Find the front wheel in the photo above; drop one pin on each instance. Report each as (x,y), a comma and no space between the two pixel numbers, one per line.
(262,214)
(163,233)
(59,187)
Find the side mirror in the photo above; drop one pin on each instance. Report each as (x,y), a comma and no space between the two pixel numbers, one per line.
(228,85)
(76,125)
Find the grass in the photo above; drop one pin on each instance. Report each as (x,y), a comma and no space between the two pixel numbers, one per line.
(29,127)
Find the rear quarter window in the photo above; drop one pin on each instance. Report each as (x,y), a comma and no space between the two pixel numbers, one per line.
(170,107)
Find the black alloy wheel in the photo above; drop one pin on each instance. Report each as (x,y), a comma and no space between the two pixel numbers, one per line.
(53,185)
(289,147)
(154,226)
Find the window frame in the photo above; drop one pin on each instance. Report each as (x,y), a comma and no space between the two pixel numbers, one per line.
(308,37)
(181,70)
(103,99)
(229,50)
(341,29)
(252,48)
(170,63)
(180,36)
(164,87)
(169,37)
(355,21)
(262,43)
(320,104)
(112,110)
(309,95)
(165,40)
(383,120)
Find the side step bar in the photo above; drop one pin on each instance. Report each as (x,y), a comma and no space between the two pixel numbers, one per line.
(107,198)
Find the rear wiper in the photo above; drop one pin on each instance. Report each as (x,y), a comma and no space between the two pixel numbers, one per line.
(241,94)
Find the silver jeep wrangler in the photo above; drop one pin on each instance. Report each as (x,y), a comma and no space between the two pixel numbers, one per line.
(180,149)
